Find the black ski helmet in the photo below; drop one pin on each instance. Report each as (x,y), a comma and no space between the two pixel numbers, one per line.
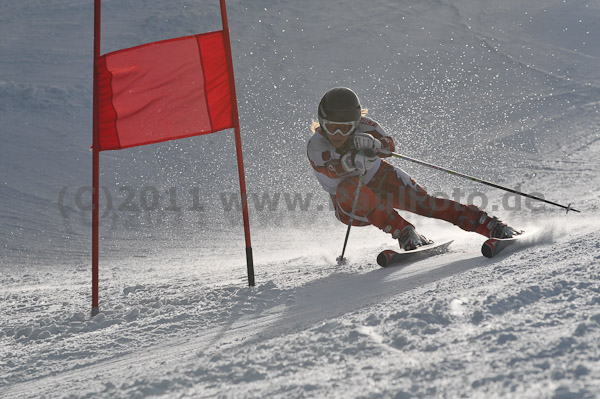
(339,104)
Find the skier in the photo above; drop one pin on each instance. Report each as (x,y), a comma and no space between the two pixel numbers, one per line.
(346,144)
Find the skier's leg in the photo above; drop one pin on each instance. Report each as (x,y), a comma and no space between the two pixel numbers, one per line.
(370,209)
(406,194)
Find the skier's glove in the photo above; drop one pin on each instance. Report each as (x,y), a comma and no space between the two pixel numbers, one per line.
(348,162)
(365,160)
(364,141)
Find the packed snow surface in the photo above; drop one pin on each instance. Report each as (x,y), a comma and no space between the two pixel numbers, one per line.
(505,90)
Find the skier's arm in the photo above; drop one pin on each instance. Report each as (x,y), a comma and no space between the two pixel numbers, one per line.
(371,127)
(387,143)
(333,169)
(320,159)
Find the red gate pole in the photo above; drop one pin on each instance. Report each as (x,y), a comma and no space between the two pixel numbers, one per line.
(238,145)
(95,165)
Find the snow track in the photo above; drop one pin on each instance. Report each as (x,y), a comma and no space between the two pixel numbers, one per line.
(306,307)
(395,315)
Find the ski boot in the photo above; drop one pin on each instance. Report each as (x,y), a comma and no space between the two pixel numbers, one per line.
(409,239)
(492,227)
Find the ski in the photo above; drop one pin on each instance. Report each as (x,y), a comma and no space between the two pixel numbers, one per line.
(391,258)
(493,246)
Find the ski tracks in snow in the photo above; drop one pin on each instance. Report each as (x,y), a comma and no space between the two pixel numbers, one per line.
(283,335)
(302,308)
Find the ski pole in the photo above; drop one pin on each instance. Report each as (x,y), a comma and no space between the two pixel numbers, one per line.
(341,260)
(567,207)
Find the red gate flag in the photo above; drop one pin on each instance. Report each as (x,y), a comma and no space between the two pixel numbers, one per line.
(163,91)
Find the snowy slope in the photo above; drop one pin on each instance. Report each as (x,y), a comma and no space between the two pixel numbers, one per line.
(505,90)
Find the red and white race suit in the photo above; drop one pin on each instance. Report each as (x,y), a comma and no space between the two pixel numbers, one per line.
(385,187)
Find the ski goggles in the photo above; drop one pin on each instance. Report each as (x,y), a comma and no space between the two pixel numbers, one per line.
(343,128)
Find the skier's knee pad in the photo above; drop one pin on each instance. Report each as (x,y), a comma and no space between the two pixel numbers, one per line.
(345,196)
(345,217)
